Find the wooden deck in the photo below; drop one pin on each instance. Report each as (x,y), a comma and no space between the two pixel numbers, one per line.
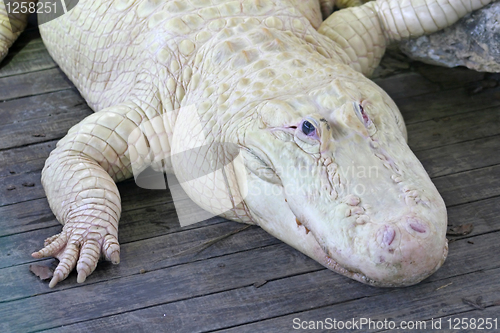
(248,282)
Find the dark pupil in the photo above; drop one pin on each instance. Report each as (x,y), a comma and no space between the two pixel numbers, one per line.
(307,128)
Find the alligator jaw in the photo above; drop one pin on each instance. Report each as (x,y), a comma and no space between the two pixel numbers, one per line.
(321,255)
(324,259)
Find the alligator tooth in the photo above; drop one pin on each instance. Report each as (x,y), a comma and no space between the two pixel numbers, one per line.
(371,129)
(396,179)
(374,144)
(410,201)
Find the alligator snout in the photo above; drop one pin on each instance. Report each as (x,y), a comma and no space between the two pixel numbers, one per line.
(399,251)
(406,252)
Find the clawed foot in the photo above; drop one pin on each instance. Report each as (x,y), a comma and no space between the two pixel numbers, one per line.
(80,247)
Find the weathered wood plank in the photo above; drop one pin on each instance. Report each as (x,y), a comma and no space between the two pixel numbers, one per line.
(442,104)
(235,307)
(34,131)
(15,250)
(135,225)
(28,54)
(483,214)
(161,319)
(28,214)
(448,78)
(282,296)
(35,83)
(23,187)
(92,301)
(166,250)
(32,189)
(421,302)
(48,106)
(468,255)
(461,157)
(454,129)
(16,161)
(406,85)
(469,186)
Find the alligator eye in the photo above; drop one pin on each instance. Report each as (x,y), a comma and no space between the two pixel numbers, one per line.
(308,128)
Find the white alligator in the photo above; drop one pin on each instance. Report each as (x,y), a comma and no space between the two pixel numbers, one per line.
(269,77)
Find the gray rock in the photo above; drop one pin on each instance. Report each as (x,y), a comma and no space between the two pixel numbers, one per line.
(474,42)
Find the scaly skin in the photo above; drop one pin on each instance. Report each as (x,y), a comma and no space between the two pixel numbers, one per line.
(171,76)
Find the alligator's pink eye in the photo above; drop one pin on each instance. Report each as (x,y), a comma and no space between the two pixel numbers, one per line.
(366,119)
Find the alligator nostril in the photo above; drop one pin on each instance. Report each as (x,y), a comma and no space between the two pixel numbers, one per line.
(417,225)
(388,236)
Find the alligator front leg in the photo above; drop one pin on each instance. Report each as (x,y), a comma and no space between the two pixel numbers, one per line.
(363,32)
(79,180)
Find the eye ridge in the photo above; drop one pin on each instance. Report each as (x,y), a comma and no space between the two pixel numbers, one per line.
(308,128)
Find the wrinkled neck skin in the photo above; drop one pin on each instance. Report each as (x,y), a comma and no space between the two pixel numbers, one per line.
(349,193)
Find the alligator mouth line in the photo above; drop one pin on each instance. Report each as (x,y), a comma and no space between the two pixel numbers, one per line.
(336,267)
(333,265)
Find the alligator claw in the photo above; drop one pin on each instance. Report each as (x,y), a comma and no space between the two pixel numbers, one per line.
(82,250)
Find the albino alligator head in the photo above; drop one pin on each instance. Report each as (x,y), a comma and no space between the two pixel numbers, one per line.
(331,174)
